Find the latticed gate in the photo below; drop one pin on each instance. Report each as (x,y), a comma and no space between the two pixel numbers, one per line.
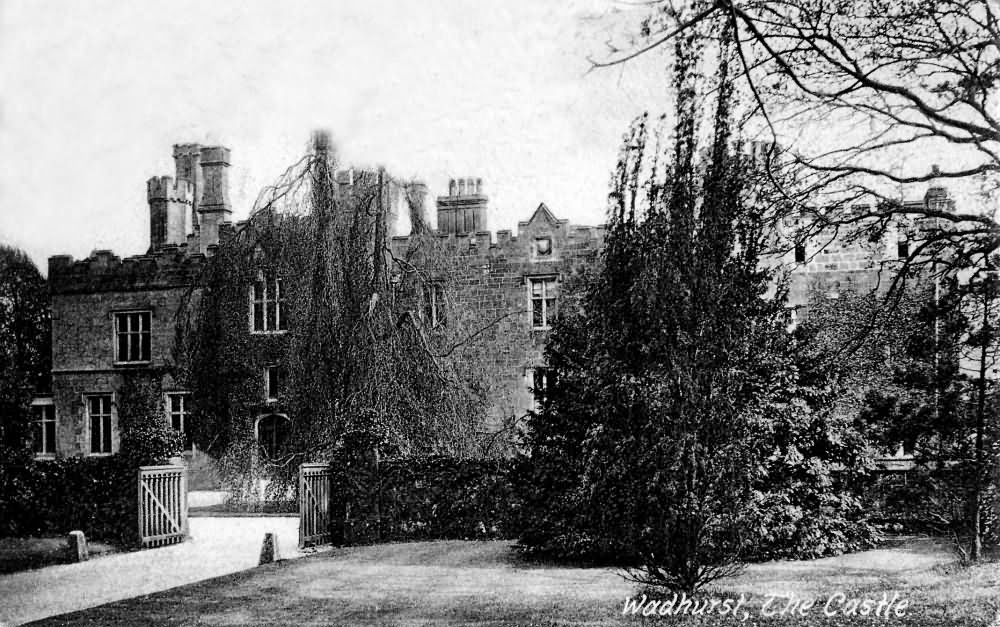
(163,506)
(314,504)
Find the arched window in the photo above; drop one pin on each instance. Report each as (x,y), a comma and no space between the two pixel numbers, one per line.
(272,433)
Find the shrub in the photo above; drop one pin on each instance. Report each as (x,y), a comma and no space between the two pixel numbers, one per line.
(94,494)
(424,498)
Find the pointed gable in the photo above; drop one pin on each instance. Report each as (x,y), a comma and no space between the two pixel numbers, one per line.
(543,216)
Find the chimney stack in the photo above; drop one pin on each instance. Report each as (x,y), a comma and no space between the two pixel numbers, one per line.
(937,198)
(463,210)
(187,163)
(214,207)
(169,209)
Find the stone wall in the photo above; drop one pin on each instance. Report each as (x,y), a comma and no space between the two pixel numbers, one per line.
(84,296)
(486,290)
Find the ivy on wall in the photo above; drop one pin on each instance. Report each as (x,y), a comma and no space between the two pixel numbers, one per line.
(353,356)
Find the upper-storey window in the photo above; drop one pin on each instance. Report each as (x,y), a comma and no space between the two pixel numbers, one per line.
(434,310)
(543,302)
(132,337)
(903,249)
(800,253)
(267,306)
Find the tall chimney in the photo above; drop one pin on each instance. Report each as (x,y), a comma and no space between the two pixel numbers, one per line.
(416,201)
(463,210)
(169,209)
(215,207)
(187,162)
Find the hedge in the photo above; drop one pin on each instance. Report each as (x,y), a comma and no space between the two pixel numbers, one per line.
(96,495)
(423,498)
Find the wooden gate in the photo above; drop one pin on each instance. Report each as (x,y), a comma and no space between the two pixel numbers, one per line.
(314,504)
(163,505)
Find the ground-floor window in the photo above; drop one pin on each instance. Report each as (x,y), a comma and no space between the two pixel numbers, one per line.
(99,414)
(179,412)
(272,433)
(43,429)
(539,380)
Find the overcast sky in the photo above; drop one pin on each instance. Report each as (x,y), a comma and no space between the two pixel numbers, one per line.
(94,94)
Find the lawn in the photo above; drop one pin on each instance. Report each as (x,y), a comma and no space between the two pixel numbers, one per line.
(18,554)
(484,583)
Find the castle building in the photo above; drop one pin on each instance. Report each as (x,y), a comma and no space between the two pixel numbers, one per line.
(112,316)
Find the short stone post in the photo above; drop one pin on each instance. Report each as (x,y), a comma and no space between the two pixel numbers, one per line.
(269,550)
(77,547)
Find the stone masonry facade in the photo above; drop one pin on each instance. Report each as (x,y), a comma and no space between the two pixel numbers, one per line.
(110,315)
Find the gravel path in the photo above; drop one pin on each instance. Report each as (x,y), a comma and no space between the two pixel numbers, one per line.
(217,546)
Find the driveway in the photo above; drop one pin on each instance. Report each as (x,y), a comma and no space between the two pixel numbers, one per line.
(218,546)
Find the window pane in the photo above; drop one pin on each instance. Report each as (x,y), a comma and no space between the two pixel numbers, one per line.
(37,433)
(144,351)
(122,347)
(258,290)
(272,382)
(95,434)
(282,324)
(106,434)
(50,436)
(271,319)
(536,288)
(94,405)
(258,317)
(536,313)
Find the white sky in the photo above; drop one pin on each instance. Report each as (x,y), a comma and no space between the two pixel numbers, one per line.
(94,95)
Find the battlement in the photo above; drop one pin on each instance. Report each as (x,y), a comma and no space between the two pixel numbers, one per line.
(102,271)
(566,236)
(166,188)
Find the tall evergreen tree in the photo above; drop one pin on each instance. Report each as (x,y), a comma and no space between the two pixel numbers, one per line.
(677,440)
(25,343)
(672,375)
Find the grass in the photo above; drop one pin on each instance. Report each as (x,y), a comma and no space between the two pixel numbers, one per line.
(17,554)
(485,583)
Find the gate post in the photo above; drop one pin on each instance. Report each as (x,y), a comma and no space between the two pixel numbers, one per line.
(302,504)
(140,526)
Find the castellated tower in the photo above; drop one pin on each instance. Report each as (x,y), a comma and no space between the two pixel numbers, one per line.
(191,207)
(169,211)
(463,210)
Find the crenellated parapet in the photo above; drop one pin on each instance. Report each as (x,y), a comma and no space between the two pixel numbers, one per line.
(168,267)
(543,225)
